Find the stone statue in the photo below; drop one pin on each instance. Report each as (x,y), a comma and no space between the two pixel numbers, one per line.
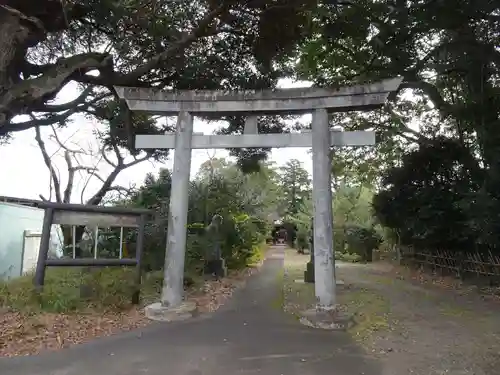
(311,240)
(212,233)
(214,263)
(309,272)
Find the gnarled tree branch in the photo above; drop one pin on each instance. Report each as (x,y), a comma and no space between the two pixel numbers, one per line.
(430,91)
(31,93)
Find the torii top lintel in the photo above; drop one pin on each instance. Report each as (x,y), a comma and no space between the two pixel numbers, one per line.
(279,101)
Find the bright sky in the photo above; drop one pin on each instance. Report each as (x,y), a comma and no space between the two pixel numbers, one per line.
(25,175)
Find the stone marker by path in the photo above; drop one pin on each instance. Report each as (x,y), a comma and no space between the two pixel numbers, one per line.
(186,104)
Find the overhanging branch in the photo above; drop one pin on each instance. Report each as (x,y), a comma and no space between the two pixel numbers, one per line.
(81,99)
(132,78)
(32,93)
(50,118)
(442,51)
(430,91)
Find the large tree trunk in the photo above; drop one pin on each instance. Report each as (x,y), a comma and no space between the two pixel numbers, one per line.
(17,33)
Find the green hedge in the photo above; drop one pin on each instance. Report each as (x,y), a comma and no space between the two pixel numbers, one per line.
(356,240)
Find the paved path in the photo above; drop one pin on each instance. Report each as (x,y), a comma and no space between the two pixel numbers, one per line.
(250,335)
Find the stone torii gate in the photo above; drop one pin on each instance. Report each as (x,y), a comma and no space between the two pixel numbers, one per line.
(186,104)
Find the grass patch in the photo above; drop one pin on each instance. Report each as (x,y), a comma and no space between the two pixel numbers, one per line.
(371,309)
(297,296)
(279,302)
(61,317)
(371,312)
(456,311)
(110,289)
(107,289)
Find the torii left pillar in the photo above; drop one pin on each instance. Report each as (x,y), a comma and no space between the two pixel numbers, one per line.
(171,306)
(177,219)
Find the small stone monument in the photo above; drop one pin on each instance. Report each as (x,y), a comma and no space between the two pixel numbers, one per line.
(309,272)
(215,265)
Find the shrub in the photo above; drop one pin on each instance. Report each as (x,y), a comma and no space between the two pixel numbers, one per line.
(302,240)
(242,235)
(362,241)
(338,240)
(291,233)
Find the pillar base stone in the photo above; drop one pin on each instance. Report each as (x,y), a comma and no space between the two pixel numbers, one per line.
(160,313)
(337,282)
(333,320)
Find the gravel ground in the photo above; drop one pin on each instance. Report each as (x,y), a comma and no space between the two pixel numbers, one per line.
(412,325)
(430,330)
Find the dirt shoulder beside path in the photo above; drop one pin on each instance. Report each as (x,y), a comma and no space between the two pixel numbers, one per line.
(411,328)
(429,330)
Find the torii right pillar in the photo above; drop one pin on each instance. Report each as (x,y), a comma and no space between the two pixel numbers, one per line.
(324,270)
(326,314)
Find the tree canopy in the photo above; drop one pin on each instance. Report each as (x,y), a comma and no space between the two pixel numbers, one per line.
(437,137)
(295,186)
(97,44)
(436,162)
